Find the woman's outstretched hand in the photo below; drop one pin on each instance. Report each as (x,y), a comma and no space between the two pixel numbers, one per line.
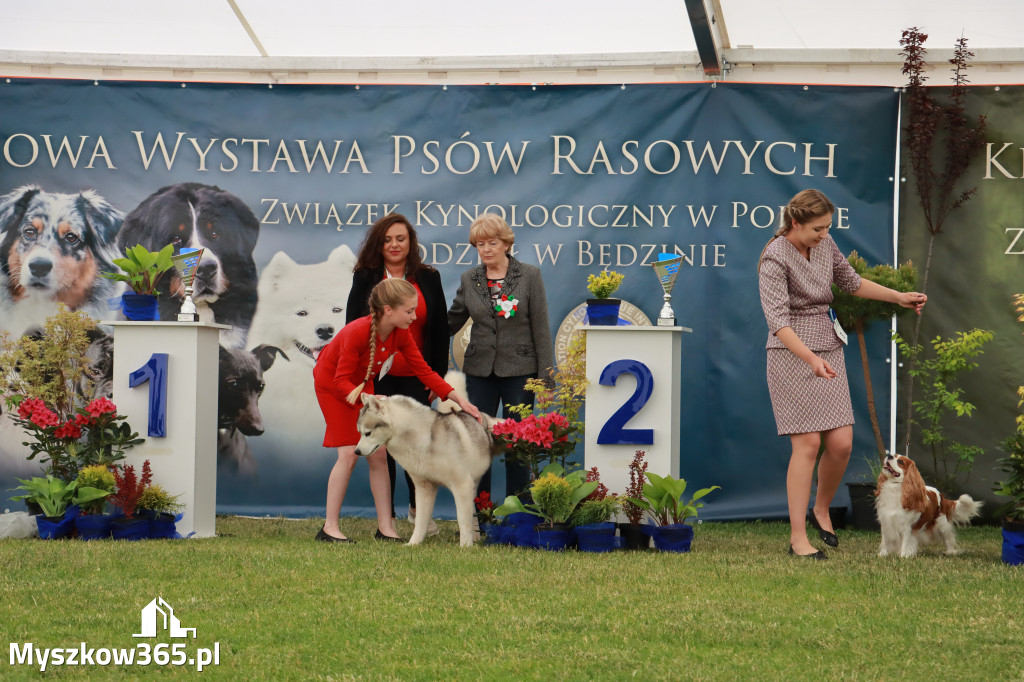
(912,299)
(467,407)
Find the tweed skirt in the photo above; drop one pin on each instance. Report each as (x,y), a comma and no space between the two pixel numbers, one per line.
(803,402)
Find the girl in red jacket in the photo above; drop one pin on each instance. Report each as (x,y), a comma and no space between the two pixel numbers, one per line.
(363,350)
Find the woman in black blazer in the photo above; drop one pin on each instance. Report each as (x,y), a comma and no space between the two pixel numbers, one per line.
(392,250)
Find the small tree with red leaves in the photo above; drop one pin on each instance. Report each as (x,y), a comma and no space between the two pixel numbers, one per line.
(637,477)
(130,488)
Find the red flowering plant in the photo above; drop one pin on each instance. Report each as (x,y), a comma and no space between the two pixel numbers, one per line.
(96,434)
(484,507)
(537,439)
(130,488)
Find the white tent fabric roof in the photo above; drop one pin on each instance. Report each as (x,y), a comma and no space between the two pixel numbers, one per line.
(333,28)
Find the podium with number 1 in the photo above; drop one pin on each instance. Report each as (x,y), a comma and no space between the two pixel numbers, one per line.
(165,383)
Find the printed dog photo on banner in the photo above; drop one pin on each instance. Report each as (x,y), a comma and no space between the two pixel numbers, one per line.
(53,248)
(300,318)
(204,217)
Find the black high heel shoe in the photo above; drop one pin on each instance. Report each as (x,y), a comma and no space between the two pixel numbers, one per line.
(828,538)
(817,556)
(381,536)
(322,536)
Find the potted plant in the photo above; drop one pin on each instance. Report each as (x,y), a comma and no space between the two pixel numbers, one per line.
(862,496)
(664,503)
(56,497)
(591,521)
(126,498)
(537,438)
(556,495)
(96,434)
(1012,487)
(601,309)
(631,532)
(92,523)
(162,510)
(942,399)
(141,270)
(490,525)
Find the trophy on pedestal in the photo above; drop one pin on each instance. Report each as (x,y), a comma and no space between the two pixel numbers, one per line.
(667,267)
(186,263)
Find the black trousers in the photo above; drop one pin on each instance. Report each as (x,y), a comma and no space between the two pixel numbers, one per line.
(414,388)
(486,393)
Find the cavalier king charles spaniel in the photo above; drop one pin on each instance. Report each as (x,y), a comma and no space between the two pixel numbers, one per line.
(912,513)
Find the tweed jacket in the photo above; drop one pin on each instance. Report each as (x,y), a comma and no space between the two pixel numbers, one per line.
(796,292)
(507,347)
(435,329)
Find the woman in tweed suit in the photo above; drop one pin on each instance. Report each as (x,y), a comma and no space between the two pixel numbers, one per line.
(806,372)
(510,340)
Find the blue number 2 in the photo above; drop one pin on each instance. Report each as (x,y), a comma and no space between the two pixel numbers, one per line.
(614,431)
(155,372)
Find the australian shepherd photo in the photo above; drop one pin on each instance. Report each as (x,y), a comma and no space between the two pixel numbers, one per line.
(205,217)
(912,513)
(53,248)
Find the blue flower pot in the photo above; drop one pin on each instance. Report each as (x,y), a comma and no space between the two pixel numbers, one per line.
(162,526)
(603,311)
(523,531)
(54,527)
(140,307)
(1013,543)
(554,538)
(93,526)
(675,537)
(136,528)
(596,537)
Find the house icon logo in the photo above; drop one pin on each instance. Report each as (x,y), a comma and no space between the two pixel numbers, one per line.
(158,611)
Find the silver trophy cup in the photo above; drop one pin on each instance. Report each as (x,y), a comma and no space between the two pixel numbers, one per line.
(187,263)
(667,267)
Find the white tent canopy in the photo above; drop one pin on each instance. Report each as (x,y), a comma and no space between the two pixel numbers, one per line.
(463,41)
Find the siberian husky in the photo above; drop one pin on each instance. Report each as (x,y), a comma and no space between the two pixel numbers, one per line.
(436,448)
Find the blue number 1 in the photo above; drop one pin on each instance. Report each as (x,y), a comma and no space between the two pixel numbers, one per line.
(614,431)
(155,372)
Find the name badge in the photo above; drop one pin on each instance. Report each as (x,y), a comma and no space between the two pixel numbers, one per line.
(386,366)
(838,327)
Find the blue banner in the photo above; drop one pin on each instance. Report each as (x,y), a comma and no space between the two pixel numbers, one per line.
(588,177)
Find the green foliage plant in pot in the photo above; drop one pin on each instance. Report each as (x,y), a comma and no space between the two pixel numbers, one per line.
(92,523)
(941,400)
(591,521)
(141,271)
(664,502)
(556,495)
(602,309)
(50,365)
(857,314)
(1012,487)
(161,508)
(55,497)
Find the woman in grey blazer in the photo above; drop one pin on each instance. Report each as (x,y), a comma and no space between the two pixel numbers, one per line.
(510,340)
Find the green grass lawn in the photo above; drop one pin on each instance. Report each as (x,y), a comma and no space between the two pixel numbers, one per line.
(282,607)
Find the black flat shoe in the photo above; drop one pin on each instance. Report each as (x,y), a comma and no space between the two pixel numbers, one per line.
(381,536)
(322,536)
(829,539)
(817,556)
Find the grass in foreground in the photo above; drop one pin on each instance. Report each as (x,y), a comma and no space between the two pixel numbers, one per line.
(737,607)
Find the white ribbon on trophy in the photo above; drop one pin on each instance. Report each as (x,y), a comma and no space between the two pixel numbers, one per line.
(187,263)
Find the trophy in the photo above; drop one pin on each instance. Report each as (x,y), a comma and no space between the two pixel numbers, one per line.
(667,267)
(186,263)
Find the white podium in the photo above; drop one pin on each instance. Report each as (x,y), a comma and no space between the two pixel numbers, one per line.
(632,400)
(184,460)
